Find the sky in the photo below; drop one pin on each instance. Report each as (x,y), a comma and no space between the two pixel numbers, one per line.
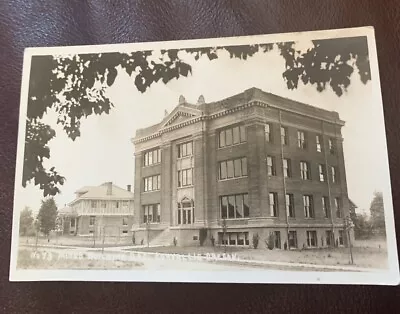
(104,151)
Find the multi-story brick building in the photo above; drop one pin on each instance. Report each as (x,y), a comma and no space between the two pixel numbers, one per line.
(106,209)
(254,163)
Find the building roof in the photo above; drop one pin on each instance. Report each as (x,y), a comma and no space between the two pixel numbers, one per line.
(352,204)
(67,211)
(101,192)
(194,112)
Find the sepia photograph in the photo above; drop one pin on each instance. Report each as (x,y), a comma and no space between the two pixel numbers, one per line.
(257,159)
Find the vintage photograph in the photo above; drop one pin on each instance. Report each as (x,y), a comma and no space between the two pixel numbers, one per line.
(247,159)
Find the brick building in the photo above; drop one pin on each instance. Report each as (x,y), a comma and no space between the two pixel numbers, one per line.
(254,163)
(96,209)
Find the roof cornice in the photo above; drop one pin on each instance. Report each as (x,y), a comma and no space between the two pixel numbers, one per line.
(253,103)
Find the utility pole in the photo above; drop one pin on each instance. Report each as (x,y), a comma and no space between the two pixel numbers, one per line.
(148,232)
(104,236)
(348,223)
(224,227)
(37,234)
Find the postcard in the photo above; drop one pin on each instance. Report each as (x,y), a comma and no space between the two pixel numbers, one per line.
(257,159)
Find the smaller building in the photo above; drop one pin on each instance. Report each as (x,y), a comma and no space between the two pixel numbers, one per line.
(97,210)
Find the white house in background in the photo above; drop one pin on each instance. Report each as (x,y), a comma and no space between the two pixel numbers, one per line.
(97,209)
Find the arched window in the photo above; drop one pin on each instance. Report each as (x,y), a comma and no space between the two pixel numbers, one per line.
(185,212)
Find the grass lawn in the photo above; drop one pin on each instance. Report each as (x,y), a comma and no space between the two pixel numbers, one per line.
(26,260)
(77,241)
(369,254)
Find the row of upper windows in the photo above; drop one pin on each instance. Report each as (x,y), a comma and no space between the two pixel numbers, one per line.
(92,221)
(305,170)
(153,157)
(308,205)
(237,206)
(113,204)
(303,139)
(236,135)
(153,183)
(235,168)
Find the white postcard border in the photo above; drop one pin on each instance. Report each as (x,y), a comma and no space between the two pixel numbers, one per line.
(386,277)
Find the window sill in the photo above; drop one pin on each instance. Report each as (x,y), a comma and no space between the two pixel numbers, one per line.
(148,166)
(144,192)
(184,157)
(235,178)
(235,219)
(185,186)
(233,145)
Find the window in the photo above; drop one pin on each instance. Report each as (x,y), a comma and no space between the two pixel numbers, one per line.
(116,204)
(103,204)
(236,135)
(289,205)
(335,178)
(185,149)
(152,183)
(152,157)
(232,136)
(341,237)
(234,206)
(268,135)
(233,238)
(312,238)
(292,239)
(287,168)
(151,213)
(124,221)
(321,170)
(329,237)
(185,177)
(94,204)
(308,206)
(326,207)
(185,212)
(273,204)
(301,140)
(284,136)
(271,166)
(233,168)
(92,220)
(319,142)
(338,206)
(124,231)
(305,170)
(72,223)
(332,148)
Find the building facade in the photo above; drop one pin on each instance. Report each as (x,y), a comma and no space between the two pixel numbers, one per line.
(97,210)
(254,164)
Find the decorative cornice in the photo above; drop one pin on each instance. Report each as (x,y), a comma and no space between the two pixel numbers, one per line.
(225,112)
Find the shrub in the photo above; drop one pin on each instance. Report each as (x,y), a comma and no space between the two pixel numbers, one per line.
(270,242)
(203,236)
(256,239)
(212,240)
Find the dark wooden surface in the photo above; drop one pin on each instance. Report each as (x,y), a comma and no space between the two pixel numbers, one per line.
(61,22)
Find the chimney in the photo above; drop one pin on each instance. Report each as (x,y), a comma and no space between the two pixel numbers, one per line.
(182,100)
(128,187)
(201,100)
(109,188)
